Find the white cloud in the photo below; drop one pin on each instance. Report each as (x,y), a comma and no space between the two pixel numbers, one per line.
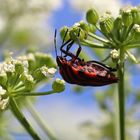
(101,6)
(64,116)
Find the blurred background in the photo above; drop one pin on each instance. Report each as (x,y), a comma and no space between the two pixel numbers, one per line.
(79,113)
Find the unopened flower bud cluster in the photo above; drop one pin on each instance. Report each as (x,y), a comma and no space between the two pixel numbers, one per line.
(117,32)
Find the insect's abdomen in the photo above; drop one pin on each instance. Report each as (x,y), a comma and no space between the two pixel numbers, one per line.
(87,77)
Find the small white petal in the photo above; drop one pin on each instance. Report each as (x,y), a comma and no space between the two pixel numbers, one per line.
(48,72)
(4,103)
(2,91)
(52,71)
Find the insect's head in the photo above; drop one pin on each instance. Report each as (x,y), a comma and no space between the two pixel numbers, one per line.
(60,60)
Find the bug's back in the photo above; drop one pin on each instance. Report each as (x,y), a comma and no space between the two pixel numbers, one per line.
(86,73)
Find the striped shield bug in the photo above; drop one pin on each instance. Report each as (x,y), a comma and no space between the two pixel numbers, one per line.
(77,71)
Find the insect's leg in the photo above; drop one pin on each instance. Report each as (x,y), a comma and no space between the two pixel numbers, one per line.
(79,44)
(79,48)
(67,52)
(111,69)
(63,44)
(106,58)
(68,48)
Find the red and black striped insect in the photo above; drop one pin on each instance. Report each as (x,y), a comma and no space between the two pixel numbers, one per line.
(77,71)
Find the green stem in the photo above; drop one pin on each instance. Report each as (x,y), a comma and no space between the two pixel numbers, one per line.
(128,31)
(40,120)
(116,116)
(132,57)
(121,97)
(94,45)
(133,46)
(34,93)
(123,34)
(19,85)
(98,38)
(18,114)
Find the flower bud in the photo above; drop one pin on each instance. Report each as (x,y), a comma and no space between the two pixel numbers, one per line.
(63,31)
(29,82)
(38,75)
(114,54)
(31,61)
(24,60)
(136,31)
(127,17)
(118,23)
(92,28)
(77,32)
(19,68)
(106,23)
(92,16)
(136,15)
(58,85)
(83,25)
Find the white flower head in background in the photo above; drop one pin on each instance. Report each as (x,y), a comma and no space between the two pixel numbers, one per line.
(30,22)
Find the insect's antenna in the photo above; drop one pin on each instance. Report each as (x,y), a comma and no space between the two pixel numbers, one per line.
(55,41)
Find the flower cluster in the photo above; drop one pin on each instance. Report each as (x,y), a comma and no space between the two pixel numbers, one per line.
(118,32)
(22,74)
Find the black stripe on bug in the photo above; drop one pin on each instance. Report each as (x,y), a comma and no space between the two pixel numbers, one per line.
(77,71)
